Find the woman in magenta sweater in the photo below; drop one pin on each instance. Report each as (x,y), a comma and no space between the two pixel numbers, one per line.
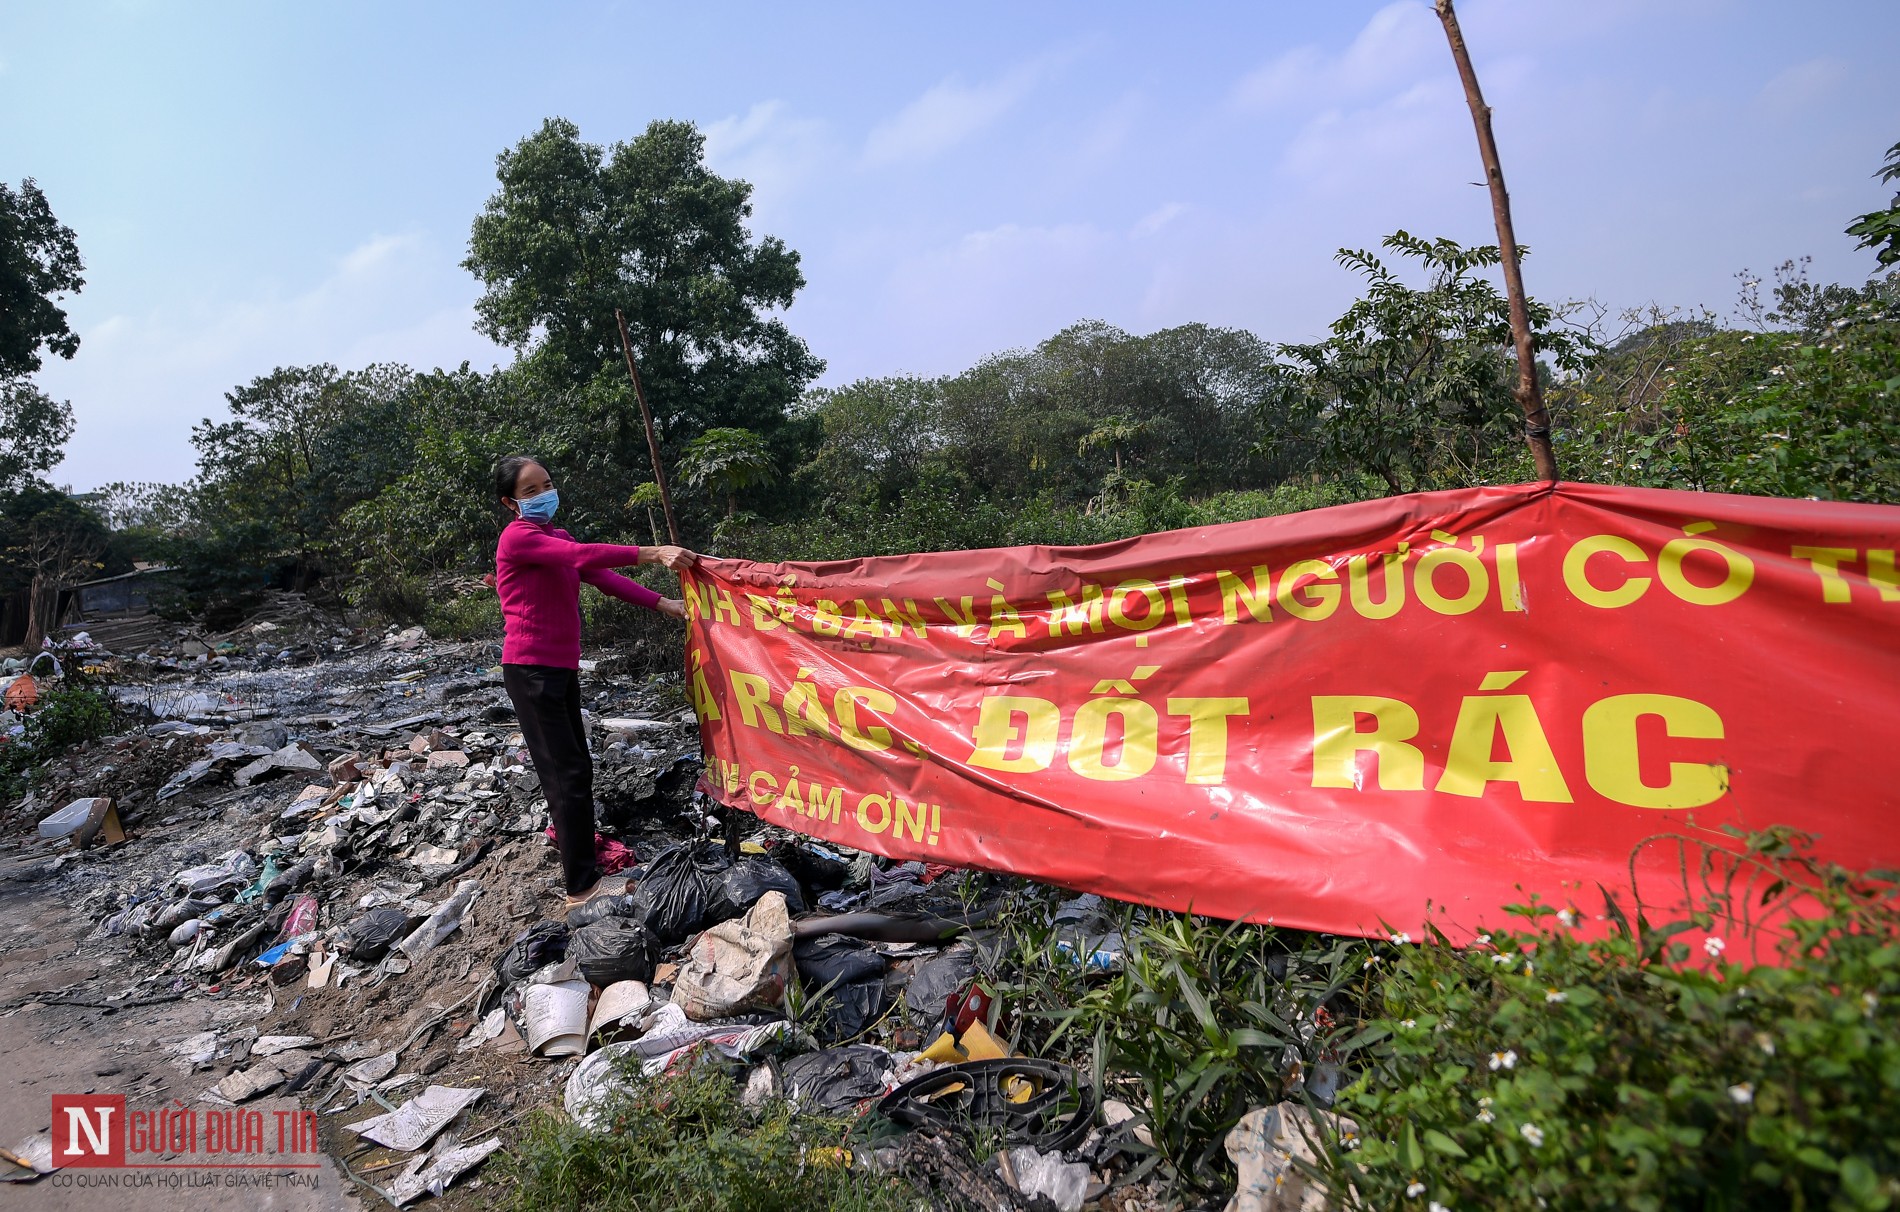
(538,573)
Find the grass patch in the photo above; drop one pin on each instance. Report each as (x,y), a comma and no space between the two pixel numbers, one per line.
(686,1142)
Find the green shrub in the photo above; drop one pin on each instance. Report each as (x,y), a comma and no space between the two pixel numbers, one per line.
(685,1142)
(1204,1021)
(470,616)
(651,642)
(1648,1069)
(399,597)
(67,716)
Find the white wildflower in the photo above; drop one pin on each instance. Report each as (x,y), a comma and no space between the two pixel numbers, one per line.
(1869,1002)
(1484,940)
(1401,938)
(1435,1206)
(1414,1189)
(1484,1110)
(1743,1093)
(1502,957)
(1765,1042)
(1531,1133)
(1503,1060)
(1555,995)
(1714,945)
(1408,1023)
(1567,916)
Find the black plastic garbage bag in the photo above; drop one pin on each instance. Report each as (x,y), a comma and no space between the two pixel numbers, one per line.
(613,949)
(680,891)
(816,870)
(751,878)
(846,1011)
(538,946)
(603,906)
(836,1080)
(935,980)
(369,938)
(834,957)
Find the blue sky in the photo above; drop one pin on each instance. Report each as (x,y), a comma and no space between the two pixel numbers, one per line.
(256,185)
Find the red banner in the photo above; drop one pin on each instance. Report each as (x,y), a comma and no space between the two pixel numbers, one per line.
(1331,719)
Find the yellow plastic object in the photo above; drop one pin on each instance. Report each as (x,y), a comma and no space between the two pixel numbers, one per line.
(751,848)
(944,1051)
(979,1044)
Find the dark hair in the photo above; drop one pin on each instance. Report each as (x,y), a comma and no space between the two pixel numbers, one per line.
(508,473)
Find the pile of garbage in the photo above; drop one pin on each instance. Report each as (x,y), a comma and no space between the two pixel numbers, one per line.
(356,851)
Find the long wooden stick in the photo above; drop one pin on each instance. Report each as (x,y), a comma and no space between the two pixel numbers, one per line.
(1530,397)
(653,443)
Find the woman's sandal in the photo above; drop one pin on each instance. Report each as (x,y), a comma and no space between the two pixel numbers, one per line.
(607,885)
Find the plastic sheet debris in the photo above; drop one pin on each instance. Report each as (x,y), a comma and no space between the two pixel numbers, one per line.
(281,761)
(432,1176)
(845,977)
(416,1122)
(1030,1101)
(737,966)
(1272,1147)
(837,1081)
(625,905)
(614,949)
(1046,1175)
(668,1046)
(271,1045)
(442,923)
(937,980)
(232,869)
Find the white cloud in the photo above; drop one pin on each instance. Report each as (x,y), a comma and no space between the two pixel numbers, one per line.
(1399,43)
(1803,86)
(1159,218)
(769,146)
(947,114)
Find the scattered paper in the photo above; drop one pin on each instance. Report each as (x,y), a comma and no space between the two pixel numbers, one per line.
(424,1176)
(415,1123)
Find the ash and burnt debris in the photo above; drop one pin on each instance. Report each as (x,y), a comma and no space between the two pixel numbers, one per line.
(339,837)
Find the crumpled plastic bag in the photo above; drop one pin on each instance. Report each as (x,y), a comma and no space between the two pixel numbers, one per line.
(613,949)
(738,966)
(369,938)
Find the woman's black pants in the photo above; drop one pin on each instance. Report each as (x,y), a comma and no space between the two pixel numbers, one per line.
(548,705)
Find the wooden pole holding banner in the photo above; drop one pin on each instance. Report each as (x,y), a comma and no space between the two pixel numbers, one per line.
(653,443)
(1530,397)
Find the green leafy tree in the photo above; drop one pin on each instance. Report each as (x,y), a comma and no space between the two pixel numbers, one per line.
(47,540)
(1414,386)
(34,428)
(1880,229)
(39,262)
(728,461)
(577,230)
(302,446)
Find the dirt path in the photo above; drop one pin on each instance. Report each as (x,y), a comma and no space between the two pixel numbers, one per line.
(48,1048)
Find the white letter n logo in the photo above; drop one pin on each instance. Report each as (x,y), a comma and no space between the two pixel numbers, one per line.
(77,1120)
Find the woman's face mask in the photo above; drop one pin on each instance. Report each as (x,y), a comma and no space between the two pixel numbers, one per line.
(540,508)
